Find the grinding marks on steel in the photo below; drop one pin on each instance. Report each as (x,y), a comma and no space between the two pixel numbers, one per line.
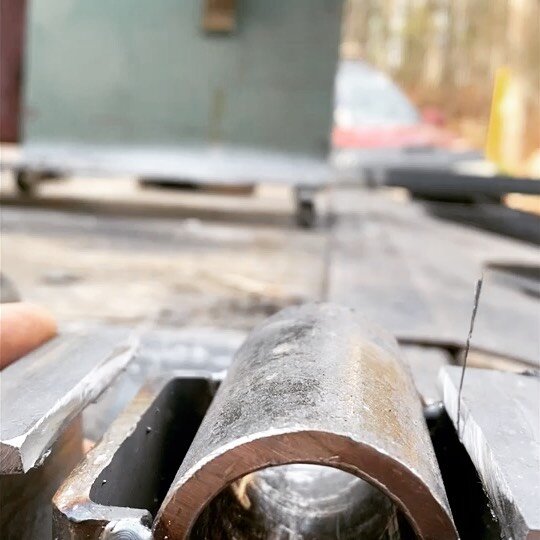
(316,384)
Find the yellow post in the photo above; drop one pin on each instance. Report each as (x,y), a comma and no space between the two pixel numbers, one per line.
(496,128)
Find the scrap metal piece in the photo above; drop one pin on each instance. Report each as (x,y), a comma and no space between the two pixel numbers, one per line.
(314,384)
(119,485)
(45,390)
(500,428)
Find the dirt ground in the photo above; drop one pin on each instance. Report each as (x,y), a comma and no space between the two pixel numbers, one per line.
(113,251)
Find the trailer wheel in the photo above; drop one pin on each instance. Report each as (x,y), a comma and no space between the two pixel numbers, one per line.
(306,214)
(26,182)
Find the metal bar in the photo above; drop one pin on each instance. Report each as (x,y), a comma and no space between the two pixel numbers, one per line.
(315,384)
(202,164)
(443,183)
(45,390)
(500,428)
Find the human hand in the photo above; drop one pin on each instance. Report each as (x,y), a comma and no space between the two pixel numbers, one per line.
(23,328)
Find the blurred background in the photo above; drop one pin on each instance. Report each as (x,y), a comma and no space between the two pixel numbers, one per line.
(200,157)
(445,56)
(184,169)
(195,155)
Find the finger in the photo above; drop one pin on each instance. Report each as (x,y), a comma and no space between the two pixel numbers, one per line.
(23,327)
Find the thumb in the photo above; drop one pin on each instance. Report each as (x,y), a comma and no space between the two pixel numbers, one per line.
(23,327)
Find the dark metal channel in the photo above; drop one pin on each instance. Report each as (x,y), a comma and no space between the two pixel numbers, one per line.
(144,466)
(469,503)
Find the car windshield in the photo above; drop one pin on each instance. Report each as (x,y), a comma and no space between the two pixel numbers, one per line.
(366,97)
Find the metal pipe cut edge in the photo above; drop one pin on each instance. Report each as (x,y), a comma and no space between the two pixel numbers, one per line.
(315,384)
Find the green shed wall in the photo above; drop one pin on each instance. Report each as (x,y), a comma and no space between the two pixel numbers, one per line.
(140,72)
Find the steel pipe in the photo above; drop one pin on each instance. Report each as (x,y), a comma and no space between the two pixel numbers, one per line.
(315,384)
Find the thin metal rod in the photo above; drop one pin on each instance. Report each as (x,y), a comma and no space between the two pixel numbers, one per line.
(468,345)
